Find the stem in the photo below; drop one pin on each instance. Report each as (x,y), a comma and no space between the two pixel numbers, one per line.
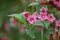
(42,33)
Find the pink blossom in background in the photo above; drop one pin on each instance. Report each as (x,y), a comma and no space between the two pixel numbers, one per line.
(56,33)
(55,2)
(50,37)
(4,38)
(35,14)
(6,26)
(58,8)
(51,2)
(42,16)
(51,18)
(13,21)
(26,14)
(31,19)
(21,28)
(43,9)
(58,23)
(58,5)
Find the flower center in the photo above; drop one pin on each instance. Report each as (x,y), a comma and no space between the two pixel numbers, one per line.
(31,19)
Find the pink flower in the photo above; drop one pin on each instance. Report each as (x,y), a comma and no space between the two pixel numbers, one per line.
(58,23)
(58,5)
(13,21)
(55,2)
(58,8)
(26,14)
(42,16)
(35,14)
(43,9)
(51,18)
(31,19)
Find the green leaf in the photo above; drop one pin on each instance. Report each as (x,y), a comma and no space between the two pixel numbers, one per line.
(30,32)
(19,17)
(40,23)
(22,18)
(33,3)
(47,23)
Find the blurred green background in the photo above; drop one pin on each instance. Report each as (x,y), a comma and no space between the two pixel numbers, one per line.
(10,7)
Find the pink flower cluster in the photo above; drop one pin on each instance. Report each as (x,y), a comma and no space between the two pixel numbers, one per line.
(45,16)
(34,17)
(31,18)
(42,16)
